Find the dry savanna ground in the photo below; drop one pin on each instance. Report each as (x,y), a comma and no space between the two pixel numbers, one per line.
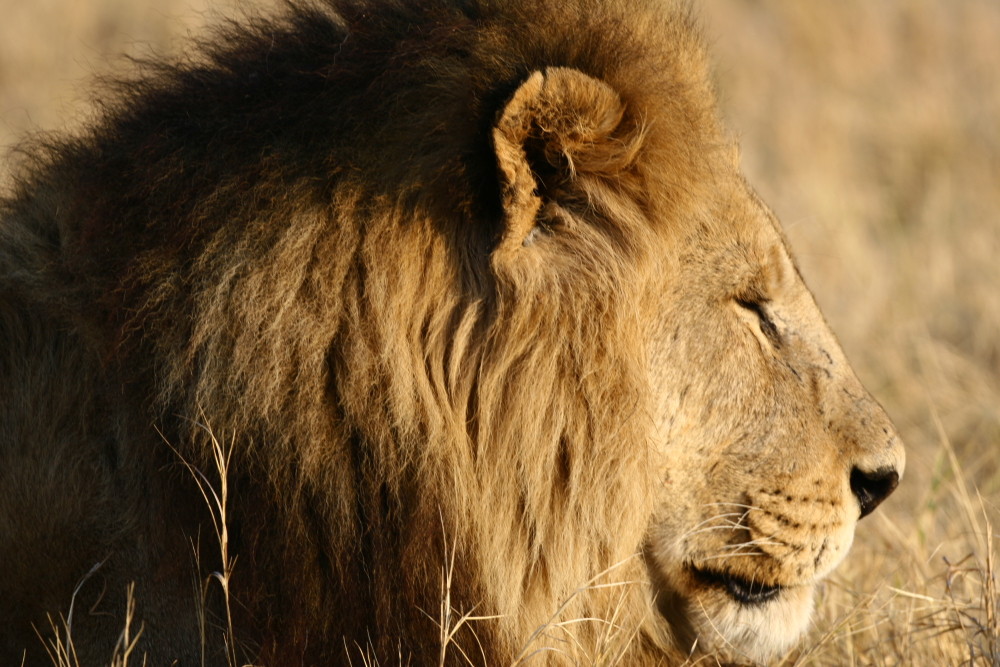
(873,129)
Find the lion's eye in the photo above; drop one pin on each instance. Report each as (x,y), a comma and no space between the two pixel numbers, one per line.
(759,308)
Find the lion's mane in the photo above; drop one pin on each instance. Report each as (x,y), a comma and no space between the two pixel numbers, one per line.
(294,241)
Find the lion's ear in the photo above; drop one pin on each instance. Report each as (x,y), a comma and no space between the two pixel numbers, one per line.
(559,123)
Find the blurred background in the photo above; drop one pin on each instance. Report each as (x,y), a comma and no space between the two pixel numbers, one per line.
(873,130)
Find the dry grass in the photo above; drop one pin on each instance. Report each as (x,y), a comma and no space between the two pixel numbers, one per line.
(62,652)
(216,496)
(873,129)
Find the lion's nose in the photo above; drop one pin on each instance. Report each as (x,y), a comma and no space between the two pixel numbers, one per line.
(871,488)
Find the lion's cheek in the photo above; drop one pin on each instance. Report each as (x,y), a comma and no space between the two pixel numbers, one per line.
(806,538)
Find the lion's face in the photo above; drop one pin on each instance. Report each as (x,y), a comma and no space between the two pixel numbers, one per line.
(768,448)
(772,448)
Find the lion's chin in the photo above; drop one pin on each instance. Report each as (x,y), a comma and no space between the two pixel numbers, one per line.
(758,631)
(738,620)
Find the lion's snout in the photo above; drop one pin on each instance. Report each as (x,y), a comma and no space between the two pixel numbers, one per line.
(876,458)
(871,488)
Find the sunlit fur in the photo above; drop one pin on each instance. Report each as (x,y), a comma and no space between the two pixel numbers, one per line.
(454,280)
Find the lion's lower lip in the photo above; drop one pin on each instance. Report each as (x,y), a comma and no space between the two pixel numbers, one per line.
(744,591)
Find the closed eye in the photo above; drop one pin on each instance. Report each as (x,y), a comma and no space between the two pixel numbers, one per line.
(767,327)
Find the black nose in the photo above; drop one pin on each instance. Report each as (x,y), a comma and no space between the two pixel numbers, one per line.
(872,488)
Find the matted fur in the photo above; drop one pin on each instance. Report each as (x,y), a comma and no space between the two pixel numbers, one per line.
(409,260)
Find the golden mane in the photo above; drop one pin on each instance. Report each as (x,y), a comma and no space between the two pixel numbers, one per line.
(302,249)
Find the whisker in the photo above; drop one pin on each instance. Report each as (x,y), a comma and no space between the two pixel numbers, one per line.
(728,527)
(704,526)
(746,507)
(709,529)
(753,543)
(730,556)
(718,516)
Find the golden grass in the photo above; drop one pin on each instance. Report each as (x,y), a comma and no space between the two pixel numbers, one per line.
(873,129)
(216,497)
(62,652)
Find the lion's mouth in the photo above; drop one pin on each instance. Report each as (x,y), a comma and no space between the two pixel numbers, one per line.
(744,591)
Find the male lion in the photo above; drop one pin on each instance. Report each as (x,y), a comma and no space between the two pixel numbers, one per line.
(508,359)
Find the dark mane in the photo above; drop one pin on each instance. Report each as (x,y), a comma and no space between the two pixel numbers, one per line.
(275,102)
(287,239)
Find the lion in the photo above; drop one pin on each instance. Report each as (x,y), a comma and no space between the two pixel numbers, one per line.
(464,314)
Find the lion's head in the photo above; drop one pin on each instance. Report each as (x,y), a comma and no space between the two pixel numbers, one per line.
(767,448)
(474,287)
(771,458)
